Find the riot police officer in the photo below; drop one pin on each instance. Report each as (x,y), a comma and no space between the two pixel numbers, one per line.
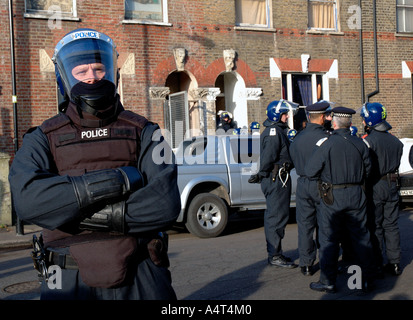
(307,197)
(353,130)
(342,162)
(275,165)
(88,176)
(386,151)
(291,133)
(227,124)
(255,128)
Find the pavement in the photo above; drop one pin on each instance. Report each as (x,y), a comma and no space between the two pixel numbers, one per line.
(10,239)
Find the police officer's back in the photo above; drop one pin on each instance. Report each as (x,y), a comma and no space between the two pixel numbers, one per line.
(307,197)
(385,151)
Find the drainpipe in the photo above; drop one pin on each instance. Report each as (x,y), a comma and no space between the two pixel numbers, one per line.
(361,56)
(19,223)
(375,53)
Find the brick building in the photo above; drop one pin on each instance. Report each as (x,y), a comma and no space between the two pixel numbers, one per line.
(181,62)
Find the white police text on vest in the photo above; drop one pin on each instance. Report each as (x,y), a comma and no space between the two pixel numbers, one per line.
(96,133)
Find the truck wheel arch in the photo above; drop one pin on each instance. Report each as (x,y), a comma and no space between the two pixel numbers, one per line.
(208,187)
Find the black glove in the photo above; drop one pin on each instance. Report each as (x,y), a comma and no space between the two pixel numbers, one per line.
(110,218)
(255,178)
(96,186)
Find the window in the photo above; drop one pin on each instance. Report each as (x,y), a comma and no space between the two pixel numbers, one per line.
(252,13)
(323,15)
(303,89)
(64,8)
(154,11)
(404,15)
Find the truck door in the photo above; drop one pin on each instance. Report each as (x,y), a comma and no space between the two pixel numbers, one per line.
(243,162)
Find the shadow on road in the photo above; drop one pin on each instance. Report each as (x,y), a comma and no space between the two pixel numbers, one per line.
(253,280)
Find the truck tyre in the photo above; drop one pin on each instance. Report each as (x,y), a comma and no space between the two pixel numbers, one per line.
(207,216)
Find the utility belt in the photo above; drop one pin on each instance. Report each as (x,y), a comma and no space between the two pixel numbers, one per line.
(282,172)
(391,177)
(325,190)
(345,185)
(64,261)
(104,270)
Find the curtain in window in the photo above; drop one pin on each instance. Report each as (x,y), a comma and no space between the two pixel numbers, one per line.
(322,14)
(251,12)
(304,84)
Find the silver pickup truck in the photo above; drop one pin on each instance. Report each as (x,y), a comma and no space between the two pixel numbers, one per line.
(213,173)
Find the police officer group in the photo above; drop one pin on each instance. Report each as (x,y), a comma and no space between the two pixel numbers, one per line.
(346,195)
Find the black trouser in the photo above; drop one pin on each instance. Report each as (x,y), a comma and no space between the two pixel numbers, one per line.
(307,201)
(384,214)
(276,214)
(346,214)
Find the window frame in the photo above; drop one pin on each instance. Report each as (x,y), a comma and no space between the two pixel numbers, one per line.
(268,15)
(403,7)
(164,21)
(336,17)
(315,79)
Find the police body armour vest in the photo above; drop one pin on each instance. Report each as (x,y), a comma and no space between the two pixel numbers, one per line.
(77,149)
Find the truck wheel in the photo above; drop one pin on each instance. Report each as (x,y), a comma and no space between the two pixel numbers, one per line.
(207,216)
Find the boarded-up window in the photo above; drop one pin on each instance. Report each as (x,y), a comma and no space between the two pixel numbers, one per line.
(176,117)
(146,10)
(66,8)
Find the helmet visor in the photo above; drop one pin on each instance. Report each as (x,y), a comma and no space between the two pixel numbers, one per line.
(86,60)
(285,106)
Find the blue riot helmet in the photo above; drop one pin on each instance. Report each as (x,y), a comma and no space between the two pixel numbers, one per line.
(225,115)
(353,130)
(236,131)
(291,134)
(278,107)
(375,115)
(254,125)
(86,69)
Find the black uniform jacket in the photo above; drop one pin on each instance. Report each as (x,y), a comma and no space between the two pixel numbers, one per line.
(303,145)
(340,159)
(385,151)
(274,147)
(44,198)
